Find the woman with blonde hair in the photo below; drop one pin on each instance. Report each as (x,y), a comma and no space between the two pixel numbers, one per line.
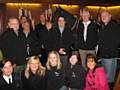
(51,61)
(55,73)
(33,77)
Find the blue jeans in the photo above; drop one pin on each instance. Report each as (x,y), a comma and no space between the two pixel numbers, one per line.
(63,88)
(74,89)
(110,66)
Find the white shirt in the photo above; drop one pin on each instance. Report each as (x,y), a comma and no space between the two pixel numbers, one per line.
(7,78)
(16,32)
(61,29)
(85,29)
(26,33)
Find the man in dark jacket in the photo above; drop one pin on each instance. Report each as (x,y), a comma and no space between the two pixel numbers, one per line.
(47,40)
(87,36)
(40,29)
(63,39)
(12,44)
(108,44)
(30,39)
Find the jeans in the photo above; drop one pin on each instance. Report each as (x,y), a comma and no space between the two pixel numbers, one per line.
(63,88)
(110,66)
(74,89)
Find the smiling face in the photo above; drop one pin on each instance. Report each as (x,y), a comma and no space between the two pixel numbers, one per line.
(26,26)
(73,59)
(14,23)
(53,60)
(85,16)
(91,63)
(34,65)
(61,22)
(105,17)
(7,69)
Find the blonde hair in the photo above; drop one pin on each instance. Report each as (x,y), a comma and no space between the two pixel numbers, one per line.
(85,10)
(106,11)
(41,69)
(59,64)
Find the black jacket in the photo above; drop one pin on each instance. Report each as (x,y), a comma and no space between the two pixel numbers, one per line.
(16,83)
(92,36)
(47,39)
(64,40)
(75,76)
(34,82)
(31,43)
(55,79)
(109,40)
(13,46)
(38,32)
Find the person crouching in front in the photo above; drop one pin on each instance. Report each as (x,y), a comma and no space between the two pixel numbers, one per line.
(75,73)
(96,78)
(55,73)
(33,77)
(8,79)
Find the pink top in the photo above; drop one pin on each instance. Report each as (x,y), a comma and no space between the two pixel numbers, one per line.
(96,80)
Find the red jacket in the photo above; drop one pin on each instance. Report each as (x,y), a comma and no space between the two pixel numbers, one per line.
(96,80)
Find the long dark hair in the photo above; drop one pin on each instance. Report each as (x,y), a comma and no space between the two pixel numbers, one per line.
(92,56)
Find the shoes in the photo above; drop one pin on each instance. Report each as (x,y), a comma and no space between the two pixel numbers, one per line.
(111,85)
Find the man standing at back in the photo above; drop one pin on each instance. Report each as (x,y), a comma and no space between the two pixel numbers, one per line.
(13,45)
(108,45)
(87,36)
(63,40)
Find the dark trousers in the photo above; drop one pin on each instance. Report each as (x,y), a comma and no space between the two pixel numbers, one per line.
(64,60)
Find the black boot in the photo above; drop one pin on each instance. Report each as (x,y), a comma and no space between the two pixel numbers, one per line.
(111,85)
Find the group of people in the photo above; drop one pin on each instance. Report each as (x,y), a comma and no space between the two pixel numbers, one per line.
(57,66)
(54,76)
